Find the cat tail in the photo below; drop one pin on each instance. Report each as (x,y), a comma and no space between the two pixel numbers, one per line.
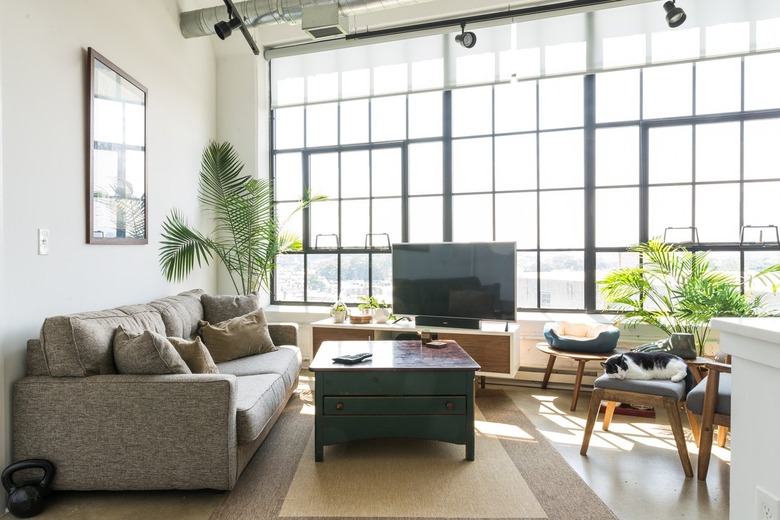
(690,382)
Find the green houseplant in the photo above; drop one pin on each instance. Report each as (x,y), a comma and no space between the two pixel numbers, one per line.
(676,290)
(338,311)
(371,305)
(247,236)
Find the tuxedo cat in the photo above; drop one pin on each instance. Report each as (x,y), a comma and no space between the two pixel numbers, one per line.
(648,365)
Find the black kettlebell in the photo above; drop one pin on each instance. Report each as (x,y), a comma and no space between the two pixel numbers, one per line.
(26,500)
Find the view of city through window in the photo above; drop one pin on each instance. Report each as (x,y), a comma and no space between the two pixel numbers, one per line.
(574,168)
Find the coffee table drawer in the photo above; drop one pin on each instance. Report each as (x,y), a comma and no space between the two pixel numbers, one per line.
(374,383)
(406,405)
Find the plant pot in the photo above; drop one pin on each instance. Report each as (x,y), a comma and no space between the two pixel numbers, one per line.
(381,315)
(338,316)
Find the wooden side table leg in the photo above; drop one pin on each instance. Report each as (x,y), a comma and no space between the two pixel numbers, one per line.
(577,383)
(548,372)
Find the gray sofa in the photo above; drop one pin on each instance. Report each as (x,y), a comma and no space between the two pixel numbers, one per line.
(109,431)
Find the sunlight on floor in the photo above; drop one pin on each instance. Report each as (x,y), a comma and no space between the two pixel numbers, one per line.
(624,433)
(501,431)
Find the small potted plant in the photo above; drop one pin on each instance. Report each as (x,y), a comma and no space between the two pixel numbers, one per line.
(338,311)
(379,308)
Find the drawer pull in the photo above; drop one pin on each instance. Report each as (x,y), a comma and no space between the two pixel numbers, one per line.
(449,405)
(339,406)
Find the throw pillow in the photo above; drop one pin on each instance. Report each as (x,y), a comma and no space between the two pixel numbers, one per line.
(217,309)
(195,354)
(146,353)
(236,338)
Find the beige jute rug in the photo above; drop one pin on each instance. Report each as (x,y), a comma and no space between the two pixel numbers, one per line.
(517,474)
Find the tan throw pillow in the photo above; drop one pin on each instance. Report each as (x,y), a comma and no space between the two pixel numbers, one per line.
(146,353)
(236,338)
(221,308)
(195,354)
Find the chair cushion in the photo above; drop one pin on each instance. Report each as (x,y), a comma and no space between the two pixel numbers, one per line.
(662,387)
(581,337)
(695,399)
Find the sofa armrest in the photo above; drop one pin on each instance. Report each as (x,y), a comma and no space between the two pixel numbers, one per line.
(113,432)
(283,333)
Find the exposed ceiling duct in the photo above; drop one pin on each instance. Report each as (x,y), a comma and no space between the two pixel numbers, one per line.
(268,12)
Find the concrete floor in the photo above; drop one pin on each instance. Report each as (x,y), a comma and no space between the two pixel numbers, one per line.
(634,468)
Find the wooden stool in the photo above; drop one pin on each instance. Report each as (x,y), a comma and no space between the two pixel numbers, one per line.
(580,357)
(655,392)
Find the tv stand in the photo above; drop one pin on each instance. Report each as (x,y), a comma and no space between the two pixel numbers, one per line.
(444,321)
(494,345)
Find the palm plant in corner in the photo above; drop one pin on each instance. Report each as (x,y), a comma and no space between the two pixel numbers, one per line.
(677,290)
(247,236)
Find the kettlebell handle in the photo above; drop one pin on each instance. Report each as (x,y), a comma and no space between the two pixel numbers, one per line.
(47,467)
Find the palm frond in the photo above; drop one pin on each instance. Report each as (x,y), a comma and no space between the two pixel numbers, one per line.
(247,235)
(181,247)
(676,290)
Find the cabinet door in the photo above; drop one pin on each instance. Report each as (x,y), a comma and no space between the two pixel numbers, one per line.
(320,334)
(491,352)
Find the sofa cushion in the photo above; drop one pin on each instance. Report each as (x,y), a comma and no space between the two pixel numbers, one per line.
(181,313)
(257,399)
(146,353)
(286,362)
(225,307)
(195,354)
(82,344)
(238,337)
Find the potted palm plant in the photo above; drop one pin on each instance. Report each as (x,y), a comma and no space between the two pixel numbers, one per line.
(678,291)
(247,236)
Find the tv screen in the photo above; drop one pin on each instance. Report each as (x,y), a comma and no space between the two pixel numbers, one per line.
(455,280)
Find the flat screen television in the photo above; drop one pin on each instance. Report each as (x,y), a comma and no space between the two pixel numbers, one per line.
(451,284)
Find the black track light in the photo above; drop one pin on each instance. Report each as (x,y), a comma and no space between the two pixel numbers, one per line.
(225,29)
(675,16)
(234,21)
(467,39)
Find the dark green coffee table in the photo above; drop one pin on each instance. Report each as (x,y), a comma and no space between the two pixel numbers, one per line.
(405,390)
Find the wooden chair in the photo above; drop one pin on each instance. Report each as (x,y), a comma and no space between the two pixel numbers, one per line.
(655,392)
(711,399)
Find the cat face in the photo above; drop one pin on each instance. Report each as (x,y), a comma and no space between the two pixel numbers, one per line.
(615,367)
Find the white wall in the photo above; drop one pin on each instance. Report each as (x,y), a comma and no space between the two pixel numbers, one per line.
(239,118)
(43,59)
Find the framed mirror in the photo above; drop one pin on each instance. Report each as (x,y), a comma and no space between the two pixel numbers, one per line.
(116,157)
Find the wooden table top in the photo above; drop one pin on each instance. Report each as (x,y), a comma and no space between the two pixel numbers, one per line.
(393,356)
(579,356)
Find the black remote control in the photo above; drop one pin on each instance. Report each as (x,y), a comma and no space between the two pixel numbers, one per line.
(352,358)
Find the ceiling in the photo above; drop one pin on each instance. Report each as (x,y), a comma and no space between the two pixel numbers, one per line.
(268,36)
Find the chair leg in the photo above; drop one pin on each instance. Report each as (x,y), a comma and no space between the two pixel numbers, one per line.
(608,413)
(694,423)
(673,411)
(593,412)
(723,432)
(707,419)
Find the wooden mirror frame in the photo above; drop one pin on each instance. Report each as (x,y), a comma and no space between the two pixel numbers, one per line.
(117,210)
